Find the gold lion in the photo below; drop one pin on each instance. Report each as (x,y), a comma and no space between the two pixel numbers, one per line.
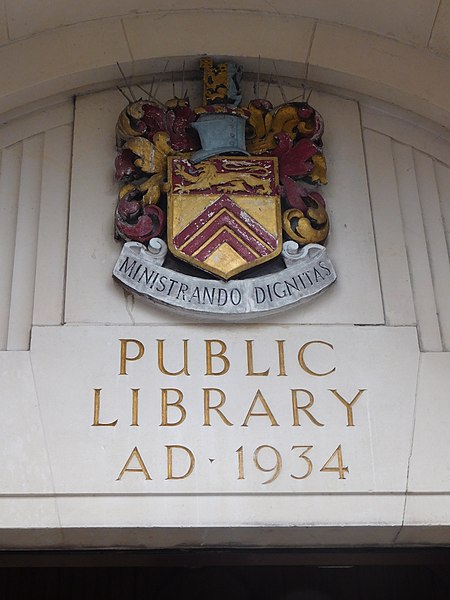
(208,176)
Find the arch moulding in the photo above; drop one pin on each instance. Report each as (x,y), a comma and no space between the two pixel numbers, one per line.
(83,57)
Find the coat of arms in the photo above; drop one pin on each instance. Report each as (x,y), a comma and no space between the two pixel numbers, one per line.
(221,191)
(224,213)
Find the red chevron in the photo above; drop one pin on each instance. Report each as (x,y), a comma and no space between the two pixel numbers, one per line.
(218,213)
(225,237)
(224,202)
(224,219)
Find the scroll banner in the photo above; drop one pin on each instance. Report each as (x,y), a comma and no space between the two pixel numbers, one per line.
(308,273)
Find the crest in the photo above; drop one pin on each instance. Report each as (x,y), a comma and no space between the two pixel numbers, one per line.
(224,213)
(217,191)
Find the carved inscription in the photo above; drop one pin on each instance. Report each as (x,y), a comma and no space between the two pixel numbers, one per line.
(303,401)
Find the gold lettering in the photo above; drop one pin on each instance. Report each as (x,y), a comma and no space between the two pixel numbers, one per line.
(267,413)
(207,408)
(124,357)
(142,468)
(337,454)
(240,453)
(96,422)
(220,354)
(191,456)
(305,367)
(296,407)
(250,368)
(278,463)
(177,404)
(135,408)
(348,405)
(281,364)
(184,368)
(309,465)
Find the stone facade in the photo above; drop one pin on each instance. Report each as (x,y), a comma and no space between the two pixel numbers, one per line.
(96,456)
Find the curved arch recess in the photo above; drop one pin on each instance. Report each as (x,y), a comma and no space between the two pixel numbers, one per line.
(83,57)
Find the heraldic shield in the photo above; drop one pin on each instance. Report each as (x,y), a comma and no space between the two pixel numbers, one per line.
(224,212)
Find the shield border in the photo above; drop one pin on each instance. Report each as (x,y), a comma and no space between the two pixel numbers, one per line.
(200,265)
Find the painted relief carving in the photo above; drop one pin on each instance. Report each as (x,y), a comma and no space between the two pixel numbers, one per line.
(224,213)
(225,188)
